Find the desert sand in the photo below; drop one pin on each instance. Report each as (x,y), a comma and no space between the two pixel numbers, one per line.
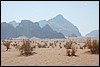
(48,57)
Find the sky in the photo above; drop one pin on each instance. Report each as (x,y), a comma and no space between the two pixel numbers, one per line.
(83,14)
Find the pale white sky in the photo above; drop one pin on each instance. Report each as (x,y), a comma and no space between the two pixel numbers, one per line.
(83,14)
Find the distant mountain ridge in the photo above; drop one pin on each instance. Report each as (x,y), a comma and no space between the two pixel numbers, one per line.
(57,27)
(29,29)
(94,33)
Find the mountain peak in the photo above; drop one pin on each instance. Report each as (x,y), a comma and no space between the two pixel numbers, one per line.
(36,24)
(59,16)
(26,21)
(46,26)
(14,23)
(93,33)
(60,24)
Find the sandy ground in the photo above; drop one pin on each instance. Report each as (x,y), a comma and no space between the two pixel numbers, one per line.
(48,57)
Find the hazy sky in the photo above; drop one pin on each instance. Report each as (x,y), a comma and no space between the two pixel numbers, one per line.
(83,14)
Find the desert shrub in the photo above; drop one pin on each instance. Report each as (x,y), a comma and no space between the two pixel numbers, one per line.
(42,41)
(73,52)
(34,46)
(93,45)
(70,44)
(47,46)
(36,43)
(70,47)
(7,44)
(64,46)
(60,43)
(33,42)
(14,44)
(55,44)
(26,48)
(2,40)
(73,47)
(81,47)
(63,41)
(85,46)
(60,46)
(44,46)
(68,52)
(39,46)
(52,46)
(88,42)
(56,41)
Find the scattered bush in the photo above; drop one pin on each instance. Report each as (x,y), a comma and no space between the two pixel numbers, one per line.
(68,52)
(52,46)
(70,47)
(39,46)
(7,44)
(26,48)
(55,44)
(93,45)
(73,50)
(88,42)
(47,46)
(44,46)
(33,42)
(60,46)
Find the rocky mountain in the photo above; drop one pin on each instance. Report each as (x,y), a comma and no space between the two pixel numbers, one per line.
(8,31)
(29,29)
(60,24)
(50,33)
(14,23)
(94,33)
(57,27)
